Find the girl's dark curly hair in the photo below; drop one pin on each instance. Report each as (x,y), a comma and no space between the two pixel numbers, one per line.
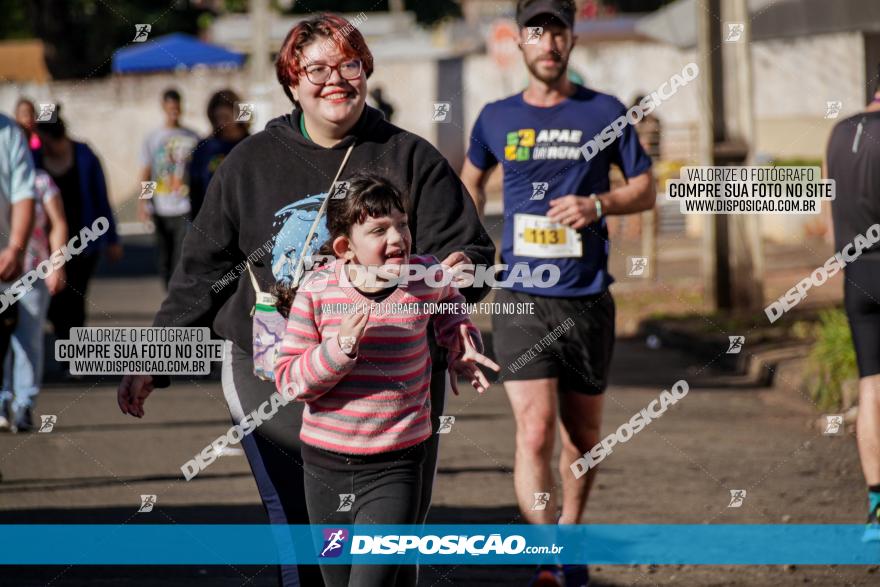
(368,195)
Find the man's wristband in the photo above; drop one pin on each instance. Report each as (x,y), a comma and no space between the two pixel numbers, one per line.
(598,203)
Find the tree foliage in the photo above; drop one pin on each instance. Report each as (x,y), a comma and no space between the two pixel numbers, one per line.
(82,35)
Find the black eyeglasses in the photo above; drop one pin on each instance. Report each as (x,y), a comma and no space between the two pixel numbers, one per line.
(320,73)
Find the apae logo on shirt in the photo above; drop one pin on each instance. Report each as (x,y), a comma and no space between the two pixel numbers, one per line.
(550,143)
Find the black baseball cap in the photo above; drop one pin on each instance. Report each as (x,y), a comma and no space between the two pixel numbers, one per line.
(563,10)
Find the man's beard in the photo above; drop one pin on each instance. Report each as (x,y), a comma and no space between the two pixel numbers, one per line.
(548,77)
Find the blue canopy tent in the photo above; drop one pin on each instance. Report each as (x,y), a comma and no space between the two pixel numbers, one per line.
(174,51)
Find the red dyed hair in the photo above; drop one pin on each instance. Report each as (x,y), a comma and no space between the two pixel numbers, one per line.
(345,36)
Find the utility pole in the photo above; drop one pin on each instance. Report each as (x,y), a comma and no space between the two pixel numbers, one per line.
(746,259)
(732,262)
(706,138)
(259,62)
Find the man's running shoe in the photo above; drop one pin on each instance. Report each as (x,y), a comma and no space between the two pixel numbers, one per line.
(576,575)
(872,528)
(548,576)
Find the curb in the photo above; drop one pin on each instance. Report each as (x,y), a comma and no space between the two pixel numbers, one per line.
(755,366)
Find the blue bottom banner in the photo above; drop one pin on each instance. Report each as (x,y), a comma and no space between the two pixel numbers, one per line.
(220,544)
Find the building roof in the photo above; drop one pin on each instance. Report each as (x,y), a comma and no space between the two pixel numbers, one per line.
(23,61)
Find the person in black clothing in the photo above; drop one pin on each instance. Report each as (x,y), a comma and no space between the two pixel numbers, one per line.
(77,172)
(271,187)
(227,133)
(853,161)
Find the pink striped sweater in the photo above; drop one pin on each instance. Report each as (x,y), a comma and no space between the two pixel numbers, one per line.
(379,401)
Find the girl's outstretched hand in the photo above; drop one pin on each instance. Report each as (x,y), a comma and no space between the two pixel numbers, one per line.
(464,364)
(351,331)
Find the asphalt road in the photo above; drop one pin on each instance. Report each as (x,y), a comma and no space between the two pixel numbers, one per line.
(95,464)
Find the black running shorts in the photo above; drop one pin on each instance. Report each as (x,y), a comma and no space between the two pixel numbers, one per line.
(861,295)
(571,339)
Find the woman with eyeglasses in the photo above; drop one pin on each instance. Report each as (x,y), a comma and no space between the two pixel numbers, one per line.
(260,206)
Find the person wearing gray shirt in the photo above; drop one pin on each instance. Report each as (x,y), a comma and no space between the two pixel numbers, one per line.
(165,160)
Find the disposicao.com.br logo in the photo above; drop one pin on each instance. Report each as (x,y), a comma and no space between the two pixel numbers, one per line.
(450,544)
(334,541)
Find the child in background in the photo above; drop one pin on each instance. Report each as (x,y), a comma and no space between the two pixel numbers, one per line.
(365,374)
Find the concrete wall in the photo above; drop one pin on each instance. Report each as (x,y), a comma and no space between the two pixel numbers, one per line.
(113,115)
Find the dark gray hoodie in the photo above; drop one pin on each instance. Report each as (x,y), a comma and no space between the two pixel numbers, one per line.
(263,198)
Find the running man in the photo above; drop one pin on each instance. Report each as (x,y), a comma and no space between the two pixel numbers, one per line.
(853,157)
(555,203)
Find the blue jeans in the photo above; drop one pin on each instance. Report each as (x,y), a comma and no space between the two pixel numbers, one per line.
(23,366)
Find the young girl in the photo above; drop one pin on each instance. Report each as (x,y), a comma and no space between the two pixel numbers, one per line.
(364,372)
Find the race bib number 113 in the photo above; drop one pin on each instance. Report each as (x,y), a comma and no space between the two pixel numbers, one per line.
(538,236)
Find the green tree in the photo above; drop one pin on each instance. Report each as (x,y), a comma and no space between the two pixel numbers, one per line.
(427,13)
(15,23)
(82,35)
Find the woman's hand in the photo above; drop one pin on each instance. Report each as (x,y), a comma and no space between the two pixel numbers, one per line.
(456,259)
(351,330)
(464,364)
(56,281)
(11,263)
(132,392)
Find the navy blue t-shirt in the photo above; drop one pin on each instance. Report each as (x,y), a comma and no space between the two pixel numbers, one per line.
(205,160)
(540,152)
